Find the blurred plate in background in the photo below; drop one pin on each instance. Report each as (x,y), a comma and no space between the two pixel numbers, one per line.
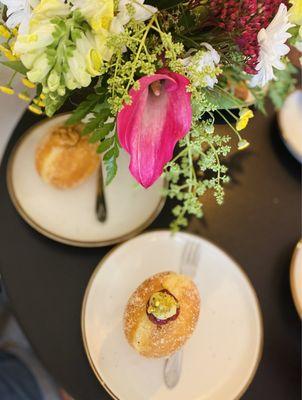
(296,277)
(290,122)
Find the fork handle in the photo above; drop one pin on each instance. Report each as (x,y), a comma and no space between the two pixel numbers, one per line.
(172,369)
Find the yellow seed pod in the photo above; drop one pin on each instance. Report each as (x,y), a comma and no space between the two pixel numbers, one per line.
(243,144)
(4,32)
(7,90)
(39,102)
(28,83)
(24,96)
(35,109)
(7,53)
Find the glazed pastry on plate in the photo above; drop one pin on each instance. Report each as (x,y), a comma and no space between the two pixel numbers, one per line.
(162,314)
(64,158)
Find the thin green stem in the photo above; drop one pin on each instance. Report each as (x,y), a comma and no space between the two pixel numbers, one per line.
(182,153)
(232,114)
(139,51)
(217,160)
(12,78)
(189,40)
(230,125)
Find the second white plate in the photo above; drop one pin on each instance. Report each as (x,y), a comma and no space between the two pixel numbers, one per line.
(222,356)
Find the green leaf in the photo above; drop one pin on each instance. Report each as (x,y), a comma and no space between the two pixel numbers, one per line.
(16,66)
(102,105)
(222,100)
(53,104)
(101,132)
(91,125)
(283,85)
(96,122)
(109,154)
(96,136)
(83,109)
(105,144)
(110,164)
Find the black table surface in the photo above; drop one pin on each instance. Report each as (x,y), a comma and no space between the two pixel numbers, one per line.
(259,225)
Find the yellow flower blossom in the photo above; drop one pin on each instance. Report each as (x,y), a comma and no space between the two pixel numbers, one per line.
(42,96)
(28,83)
(4,32)
(24,96)
(7,90)
(295,12)
(244,116)
(93,62)
(35,109)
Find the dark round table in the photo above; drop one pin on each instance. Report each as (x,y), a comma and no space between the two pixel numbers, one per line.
(259,225)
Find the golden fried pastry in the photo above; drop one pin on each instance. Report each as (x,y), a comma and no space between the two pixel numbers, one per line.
(162,314)
(64,158)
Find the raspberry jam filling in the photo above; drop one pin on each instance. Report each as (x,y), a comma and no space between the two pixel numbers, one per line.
(162,307)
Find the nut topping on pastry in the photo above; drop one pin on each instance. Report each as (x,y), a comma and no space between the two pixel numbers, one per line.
(162,307)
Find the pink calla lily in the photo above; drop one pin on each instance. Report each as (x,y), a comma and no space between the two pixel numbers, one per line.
(158,117)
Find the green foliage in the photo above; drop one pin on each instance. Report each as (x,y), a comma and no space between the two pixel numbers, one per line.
(16,66)
(220,99)
(284,84)
(195,170)
(83,109)
(110,148)
(259,96)
(110,158)
(54,103)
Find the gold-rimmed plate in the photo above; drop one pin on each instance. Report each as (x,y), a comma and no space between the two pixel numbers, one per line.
(289,118)
(68,216)
(296,277)
(221,357)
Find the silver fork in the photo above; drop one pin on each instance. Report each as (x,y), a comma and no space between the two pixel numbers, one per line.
(189,263)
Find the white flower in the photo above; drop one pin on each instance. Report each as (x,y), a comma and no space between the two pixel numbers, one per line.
(39,69)
(204,63)
(39,37)
(86,61)
(19,13)
(272,47)
(142,12)
(48,9)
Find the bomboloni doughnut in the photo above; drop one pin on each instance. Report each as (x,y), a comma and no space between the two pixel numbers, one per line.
(162,314)
(64,158)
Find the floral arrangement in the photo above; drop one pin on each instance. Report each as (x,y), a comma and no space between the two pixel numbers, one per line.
(158,74)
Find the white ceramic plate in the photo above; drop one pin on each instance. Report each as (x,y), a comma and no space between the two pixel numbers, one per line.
(221,357)
(68,216)
(296,277)
(290,123)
